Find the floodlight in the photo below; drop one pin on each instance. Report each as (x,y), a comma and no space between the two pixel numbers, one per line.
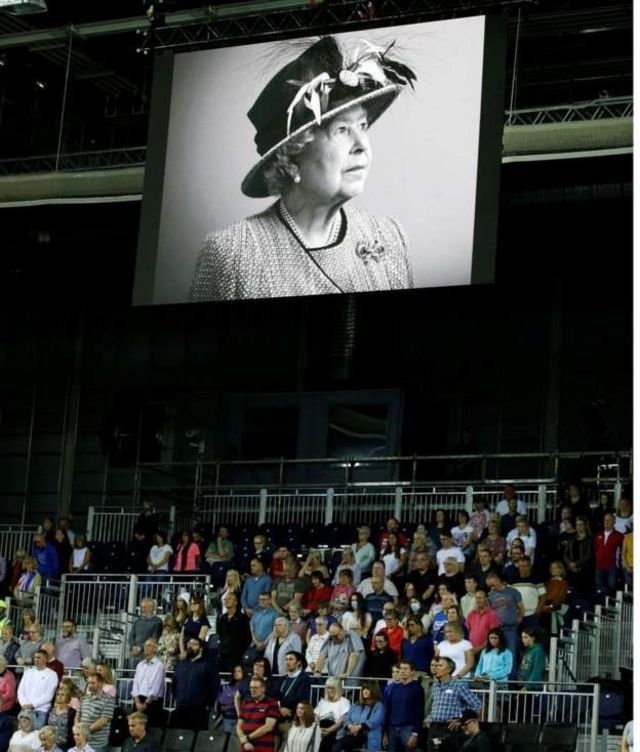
(23,7)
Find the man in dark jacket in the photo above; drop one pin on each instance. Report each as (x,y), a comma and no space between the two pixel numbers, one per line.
(475,740)
(234,634)
(195,685)
(294,688)
(139,740)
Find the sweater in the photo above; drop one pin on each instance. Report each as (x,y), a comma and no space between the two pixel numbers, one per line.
(496,665)
(405,705)
(532,666)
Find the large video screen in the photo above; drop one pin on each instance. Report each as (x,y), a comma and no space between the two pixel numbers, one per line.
(355,162)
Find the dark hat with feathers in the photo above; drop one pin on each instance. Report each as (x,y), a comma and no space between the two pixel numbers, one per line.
(319,84)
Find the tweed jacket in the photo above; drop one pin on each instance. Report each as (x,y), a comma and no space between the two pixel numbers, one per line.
(261,257)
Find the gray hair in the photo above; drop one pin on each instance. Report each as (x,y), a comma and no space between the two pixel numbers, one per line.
(283,620)
(277,174)
(30,715)
(88,662)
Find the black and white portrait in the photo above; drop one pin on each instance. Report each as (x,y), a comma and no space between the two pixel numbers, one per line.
(346,163)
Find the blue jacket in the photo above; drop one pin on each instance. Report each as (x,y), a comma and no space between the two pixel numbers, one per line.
(496,665)
(195,682)
(252,589)
(405,705)
(47,559)
(372,718)
(419,652)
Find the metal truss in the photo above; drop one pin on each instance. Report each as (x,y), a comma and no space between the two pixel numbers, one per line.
(328,16)
(613,108)
(76,162)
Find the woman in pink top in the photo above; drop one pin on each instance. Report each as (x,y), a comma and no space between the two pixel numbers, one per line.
(7,687)
(187,554)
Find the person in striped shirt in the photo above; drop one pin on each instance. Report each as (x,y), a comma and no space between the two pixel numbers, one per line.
(258,718)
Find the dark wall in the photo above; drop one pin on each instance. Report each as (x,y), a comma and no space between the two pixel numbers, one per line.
(541,360)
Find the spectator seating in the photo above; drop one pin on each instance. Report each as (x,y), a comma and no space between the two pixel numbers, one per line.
(522,737)
(559,737)
(178,740)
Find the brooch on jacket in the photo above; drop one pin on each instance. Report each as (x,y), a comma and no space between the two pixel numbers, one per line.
(370,251)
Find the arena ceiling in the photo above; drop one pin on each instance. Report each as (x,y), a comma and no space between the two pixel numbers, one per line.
(101,54)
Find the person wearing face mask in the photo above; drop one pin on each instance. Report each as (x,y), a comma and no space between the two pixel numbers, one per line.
(357,618)
(417,648)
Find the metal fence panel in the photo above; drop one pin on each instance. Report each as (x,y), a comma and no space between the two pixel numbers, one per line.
(230,508)
(13,537)
(420,506)
(296,509)
(354,507)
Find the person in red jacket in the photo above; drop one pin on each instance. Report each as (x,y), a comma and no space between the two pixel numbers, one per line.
(606,546)
(318,593)
(394,633)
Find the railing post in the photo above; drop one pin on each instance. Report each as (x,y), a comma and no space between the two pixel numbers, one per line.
(397,505)
(594,718)
(553,659)
(61,607)
(597,641)
(328,512)
(542,502)
(262,514)
(90,521)
(493,702)
(617,492)
(575,628)
(36,605)
(172,521)
(95,646)
(468,492)
(617,634)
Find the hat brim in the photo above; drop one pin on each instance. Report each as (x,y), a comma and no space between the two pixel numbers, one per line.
(376,102)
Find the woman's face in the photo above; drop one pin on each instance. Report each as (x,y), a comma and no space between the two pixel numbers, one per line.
(450,634)
(258,669)
(494,640)
(580,527)
(331,693)
(79,739)
(25,724)
(334,166)
(237,673)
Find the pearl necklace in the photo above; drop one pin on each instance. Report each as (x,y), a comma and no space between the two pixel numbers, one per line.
(336,225)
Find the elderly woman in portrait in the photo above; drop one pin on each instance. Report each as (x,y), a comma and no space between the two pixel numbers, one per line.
(312,121)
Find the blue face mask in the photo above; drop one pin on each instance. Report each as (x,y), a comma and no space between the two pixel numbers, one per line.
(415,607)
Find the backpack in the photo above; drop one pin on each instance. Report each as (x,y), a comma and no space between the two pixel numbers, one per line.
(119,730)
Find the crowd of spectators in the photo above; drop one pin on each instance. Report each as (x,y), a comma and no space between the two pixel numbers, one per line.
(416,618)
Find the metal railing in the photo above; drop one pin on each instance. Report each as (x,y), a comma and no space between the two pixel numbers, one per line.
(105,606)
(598,645)
(504,702)
(13,537)
(45,606)
(118,523)
(411,505)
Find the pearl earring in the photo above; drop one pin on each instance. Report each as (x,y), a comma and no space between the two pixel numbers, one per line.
(296,178)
